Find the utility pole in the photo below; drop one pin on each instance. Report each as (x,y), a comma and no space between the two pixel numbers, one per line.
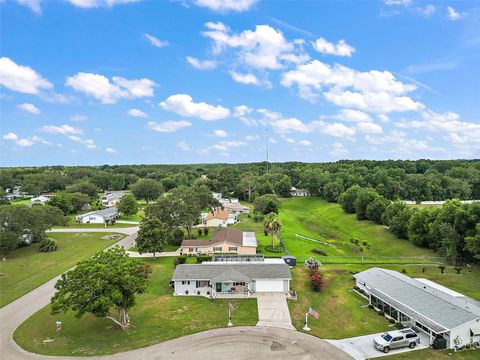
(267,148)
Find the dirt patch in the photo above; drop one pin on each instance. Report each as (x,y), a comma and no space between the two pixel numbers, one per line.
(111,237)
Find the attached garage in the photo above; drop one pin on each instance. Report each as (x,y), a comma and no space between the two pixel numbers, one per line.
(269,285)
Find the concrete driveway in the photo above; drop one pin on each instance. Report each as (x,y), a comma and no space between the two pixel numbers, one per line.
(273,310)
(361,347)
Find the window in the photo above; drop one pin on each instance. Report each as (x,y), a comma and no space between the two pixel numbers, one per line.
(217,248)
(238,284)
(201,283)
(410,336)
(191,249)
(188,282)
(398,338)
(232,248)
(183,282)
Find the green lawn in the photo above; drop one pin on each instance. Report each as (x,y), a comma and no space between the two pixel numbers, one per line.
(327,222)
(158,316)
(137,217)
(75,225)
(342,312)
(430,354)
(27,268)
(21,202)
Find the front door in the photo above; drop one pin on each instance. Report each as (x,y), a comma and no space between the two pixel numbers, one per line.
(218,287)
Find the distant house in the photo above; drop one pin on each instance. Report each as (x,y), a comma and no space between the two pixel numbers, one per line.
(430,307)
(39,200)
(223,241)
(231,279)
(217,196)
(219,218)
(111,198)
(299,192)
(98,217)
(236,208)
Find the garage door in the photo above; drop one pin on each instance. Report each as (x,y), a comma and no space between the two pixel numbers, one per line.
(269,285)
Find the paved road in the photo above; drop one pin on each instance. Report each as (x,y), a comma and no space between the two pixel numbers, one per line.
(273,310)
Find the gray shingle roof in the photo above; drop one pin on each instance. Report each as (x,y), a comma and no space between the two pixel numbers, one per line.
(208,271)
(105,212)
(438,310)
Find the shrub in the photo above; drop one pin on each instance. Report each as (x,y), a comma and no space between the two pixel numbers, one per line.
(177,237)
(179,260)
(391,321)
(48,245)
(356,288)
(370,306)
(205,231)
(200,232)
(208,292)
(202,258)
(317,281)
(312,264)
(186,292)
(458,270)
(404,271)
(442,269)
(265,232)
(198,292)
(381,313)
(319,252)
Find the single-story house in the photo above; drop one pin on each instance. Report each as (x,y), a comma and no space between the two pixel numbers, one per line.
(111,198)
(39,200)
(218,218)
(224,279)
(98,217)
(299,192)
(236,208)
(430,307)
(223,241)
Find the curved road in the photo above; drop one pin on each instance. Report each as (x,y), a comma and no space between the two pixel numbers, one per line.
(236,343)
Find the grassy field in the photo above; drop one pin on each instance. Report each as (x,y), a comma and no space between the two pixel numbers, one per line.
(343,313)
(158,316)
(326,222)
(27,268)
(430,354)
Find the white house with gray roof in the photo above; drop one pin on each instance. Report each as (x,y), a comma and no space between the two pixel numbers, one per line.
(98,217)
(430,307)
(231,279)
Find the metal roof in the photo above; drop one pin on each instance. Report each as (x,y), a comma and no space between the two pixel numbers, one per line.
(430,306)
(252,271)
(105,212)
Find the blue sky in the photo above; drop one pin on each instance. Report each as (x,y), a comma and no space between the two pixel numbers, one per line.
(86,82)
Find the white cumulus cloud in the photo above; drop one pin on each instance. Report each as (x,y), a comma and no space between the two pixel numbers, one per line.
(155,41)
(220,133)
(168,126)
(109,92)
(339,49)
(137,113)
(21,78)
(30,108)
(184,105)
(62,129)
(226,5)
(202,64)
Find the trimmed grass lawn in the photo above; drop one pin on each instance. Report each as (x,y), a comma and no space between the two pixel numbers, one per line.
(137,217)
(27,268)
(343,313)
(430,354)
(327,222)
(74,225)
(157,316)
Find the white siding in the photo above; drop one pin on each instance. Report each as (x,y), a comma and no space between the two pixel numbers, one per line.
(463,332)
(190,285)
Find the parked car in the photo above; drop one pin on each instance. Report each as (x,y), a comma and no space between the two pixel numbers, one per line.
(396,339)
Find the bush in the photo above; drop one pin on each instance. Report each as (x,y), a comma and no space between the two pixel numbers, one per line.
(370,306)
(205,231)
(319,252)
(177,237)
(391,321)
(458,270)
(186,292)
(179,260)
(312,264)
(381,313)
(277,250)
(317,281)
(356,288)
(442,269)
(404,271)
(200,232)
(202,258)
(48,245)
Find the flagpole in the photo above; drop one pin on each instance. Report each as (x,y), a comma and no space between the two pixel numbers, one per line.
(306,328)
(229,316)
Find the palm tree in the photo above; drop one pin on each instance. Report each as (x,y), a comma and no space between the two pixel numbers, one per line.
(272,226)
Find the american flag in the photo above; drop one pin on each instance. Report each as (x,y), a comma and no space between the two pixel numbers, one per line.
(313,313)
